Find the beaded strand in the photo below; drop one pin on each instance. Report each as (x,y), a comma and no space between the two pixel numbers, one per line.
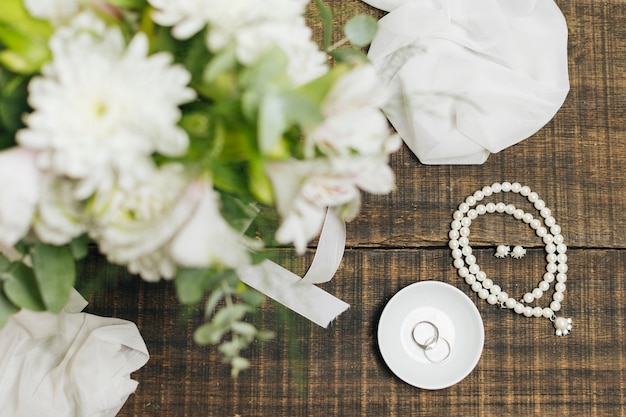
(547,229)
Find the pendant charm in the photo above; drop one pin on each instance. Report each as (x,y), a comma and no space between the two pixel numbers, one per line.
(562,325)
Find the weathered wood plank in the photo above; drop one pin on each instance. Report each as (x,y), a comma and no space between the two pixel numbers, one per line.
(308,370)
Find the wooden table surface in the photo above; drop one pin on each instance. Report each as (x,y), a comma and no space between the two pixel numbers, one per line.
(577,163)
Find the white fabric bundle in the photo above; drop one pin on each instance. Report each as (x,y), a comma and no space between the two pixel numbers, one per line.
(470,77)
(70,364)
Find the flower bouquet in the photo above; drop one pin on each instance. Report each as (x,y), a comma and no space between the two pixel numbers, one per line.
(181,139)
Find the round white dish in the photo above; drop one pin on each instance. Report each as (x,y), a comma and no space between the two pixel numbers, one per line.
(458,321)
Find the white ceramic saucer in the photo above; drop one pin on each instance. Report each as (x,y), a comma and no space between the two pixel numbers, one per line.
(458,321)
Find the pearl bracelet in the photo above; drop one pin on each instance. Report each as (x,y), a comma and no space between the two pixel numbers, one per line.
(548,230)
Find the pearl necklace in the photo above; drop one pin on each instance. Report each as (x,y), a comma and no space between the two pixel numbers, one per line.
(548,231)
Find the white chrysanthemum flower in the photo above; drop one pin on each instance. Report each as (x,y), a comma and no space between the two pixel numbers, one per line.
(253,26)
(100,105)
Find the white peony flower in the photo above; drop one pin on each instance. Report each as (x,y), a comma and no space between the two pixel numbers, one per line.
(253,26)
(166,222)
(101,105)
(60,216)
(20,192)
(134,226)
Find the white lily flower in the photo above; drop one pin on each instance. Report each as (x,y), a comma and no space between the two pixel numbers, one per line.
(353,120)
(206,239)
(305,189)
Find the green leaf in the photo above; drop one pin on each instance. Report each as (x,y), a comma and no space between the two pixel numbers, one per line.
(5,264)
(128,4)
(361,29)
(244,329)
(230,348)
(268,75)
(208,334)
(229,314)
(301,110)
(214,298)
(191,284)
(249,295)
(14,14)
(22,290)
(264,335)
(80,247)
(55,271)
(317,89)
(13,103)
(238,364)
(349,55)
(225,61)
(237,213)
(259,183)
(7,309)
(25,39)
(326,15)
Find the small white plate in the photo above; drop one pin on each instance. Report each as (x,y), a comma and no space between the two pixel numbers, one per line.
(458,321)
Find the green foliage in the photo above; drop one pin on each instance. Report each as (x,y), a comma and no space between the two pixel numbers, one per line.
(13,105)
(326,15)
(55,273)
(128,4)
(243,118)
(223,314)
(41,281)
(23,39)
(7,308)
(361,30)
(20,287)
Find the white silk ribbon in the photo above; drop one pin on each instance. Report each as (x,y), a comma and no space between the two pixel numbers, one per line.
(300,294)
(470,78)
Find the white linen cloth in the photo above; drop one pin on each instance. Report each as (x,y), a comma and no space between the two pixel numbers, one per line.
(470,77)
(70,364)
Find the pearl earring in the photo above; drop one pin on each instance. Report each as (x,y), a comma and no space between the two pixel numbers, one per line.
(502,251)
(518,252)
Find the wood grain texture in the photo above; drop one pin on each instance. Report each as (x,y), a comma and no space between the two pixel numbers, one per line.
(577,163)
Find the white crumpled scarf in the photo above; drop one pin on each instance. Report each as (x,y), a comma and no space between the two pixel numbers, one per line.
(70,364)
(470,77)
